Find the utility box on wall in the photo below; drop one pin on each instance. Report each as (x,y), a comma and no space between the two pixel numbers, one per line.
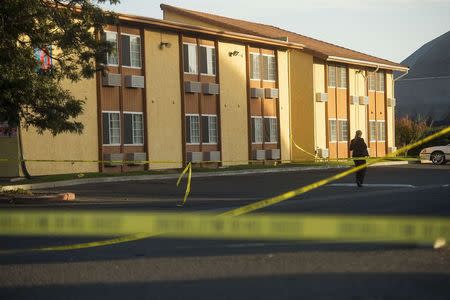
(321,97)
(111,79)
(133,81)
(192,87)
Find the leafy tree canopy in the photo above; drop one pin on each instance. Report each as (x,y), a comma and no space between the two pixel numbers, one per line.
(65,32)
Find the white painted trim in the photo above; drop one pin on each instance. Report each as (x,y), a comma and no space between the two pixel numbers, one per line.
(209,75)
(134,112)
(269,55)
(111,111)
(112,145)
(129,34)
(192,115)
(209,115)
(188,43)
(207,46)
(363,62)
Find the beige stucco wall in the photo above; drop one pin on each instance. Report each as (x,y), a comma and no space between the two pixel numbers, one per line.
(358,113)
(163,100)
(233,100)
(390,113)
(320,107)
(66,146)
(302,104)
(9,150)
(171,16)
(283,84)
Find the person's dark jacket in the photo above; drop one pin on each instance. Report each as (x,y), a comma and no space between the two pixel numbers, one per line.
(359,147)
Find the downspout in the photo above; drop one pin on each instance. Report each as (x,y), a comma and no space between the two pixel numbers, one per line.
(289,103)
(393,96)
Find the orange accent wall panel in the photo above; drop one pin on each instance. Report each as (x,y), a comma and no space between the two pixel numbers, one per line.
(270,107)
(342,104)
(209,104)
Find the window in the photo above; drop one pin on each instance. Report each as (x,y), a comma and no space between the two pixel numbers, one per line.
(207,60)
(192,129)
(134,128)
(341,77)
(190,58)
(373,131)
(255,69)
(371,81)
(333,130)
(209,129)
(270,130)
(332,76)
(112,58)
(381,131)
(111,128)
(270,68)
(131,51)
(257,130)
(343,130)
(380,82)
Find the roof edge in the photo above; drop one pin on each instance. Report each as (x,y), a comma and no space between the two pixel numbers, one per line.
(366,63)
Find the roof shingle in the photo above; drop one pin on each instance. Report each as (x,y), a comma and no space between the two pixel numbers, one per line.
(318,47)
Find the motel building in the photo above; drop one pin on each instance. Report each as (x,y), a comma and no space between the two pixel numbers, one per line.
(207,89)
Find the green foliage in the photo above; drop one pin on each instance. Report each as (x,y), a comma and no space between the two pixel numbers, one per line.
(32,98)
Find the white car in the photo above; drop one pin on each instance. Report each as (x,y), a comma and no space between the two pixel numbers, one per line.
(439,155)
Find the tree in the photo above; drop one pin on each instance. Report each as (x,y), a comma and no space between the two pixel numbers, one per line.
(409,130)
(61,32)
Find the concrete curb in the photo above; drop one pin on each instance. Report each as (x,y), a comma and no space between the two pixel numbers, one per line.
(390,163)
(74,182)
(21,199)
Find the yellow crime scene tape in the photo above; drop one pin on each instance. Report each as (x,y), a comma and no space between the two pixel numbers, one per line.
(301,149)
(210,226)
(418,230)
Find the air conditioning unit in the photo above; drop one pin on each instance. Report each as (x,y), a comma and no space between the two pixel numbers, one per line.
(391,102)
(134,81)
(113,159)
(111,79)
(135,159)
(259,154)
(211,89)
(323,153)
(392,149)
(195,157)
(364,100)
(213,156)
(273,154)
(354,100)
(321,97)
(192,87)
(271,93)
(256,93)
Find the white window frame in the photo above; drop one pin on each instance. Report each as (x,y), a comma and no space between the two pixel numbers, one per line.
(339,131)
(268,68)
(196,58)
(378,87)
(373,137)
(339,78)
(252,68)
(369,75)
(261,141)
(271,130)
(140,51)
(132,127)
(109,128)
(214,62)
(328,76)
(199,129)
(117,48)
(210,117)
(335,131)
(379,122)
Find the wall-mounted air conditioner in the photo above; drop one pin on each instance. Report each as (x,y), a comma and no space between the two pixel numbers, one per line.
(323,153)
(195,157)
(354,100)
(273,154)
(135,159)
(192,87)
(211,89)
(364,100)
(134,81)
(113,159)
(256,93)
(213,156)
(259,154)
(392,149)
(111,79)
(271,93)
(391,102)
(321,97)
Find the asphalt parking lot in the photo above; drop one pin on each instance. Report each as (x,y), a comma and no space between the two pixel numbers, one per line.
(159,268)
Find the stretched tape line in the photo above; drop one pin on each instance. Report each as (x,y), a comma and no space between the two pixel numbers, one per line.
(189,225)
(188,187)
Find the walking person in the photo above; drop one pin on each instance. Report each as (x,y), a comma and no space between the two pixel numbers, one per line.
(359,150)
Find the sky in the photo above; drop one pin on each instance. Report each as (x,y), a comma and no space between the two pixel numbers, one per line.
(390,29)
